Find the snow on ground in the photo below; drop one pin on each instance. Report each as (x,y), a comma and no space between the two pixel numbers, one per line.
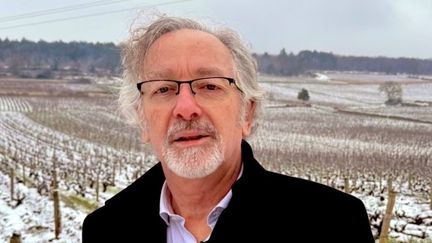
(34,219)
(321,77)
(355,93)
(351,94)
(422,92)
(406,210)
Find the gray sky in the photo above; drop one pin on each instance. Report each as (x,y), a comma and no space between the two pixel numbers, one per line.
(393,28)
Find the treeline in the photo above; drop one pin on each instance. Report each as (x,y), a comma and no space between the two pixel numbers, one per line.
(304,61)
(52,59)
(45,59)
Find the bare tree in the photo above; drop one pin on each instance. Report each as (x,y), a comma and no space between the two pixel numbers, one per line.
(393,91)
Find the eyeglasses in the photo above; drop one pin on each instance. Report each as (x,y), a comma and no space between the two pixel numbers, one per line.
(210,88)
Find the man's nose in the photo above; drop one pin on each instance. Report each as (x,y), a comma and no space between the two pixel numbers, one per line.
(186,106)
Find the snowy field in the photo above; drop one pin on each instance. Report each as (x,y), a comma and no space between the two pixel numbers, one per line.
(344,136)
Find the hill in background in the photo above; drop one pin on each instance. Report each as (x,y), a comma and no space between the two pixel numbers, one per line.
(43,59)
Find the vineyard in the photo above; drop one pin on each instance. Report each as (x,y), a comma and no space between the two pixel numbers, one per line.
(65,149)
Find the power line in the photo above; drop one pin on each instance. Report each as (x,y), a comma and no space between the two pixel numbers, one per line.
(91,15)
(59,10)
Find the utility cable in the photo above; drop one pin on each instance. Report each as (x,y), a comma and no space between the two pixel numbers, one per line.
(58,10)
(91,15)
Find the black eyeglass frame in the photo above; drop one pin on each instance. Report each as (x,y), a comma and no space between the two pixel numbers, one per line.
(180,82)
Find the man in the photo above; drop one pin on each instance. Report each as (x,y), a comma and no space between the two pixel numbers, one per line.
(195,95)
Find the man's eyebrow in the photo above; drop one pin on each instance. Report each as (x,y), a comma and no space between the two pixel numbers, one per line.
(209,71)
(200,72)
(159,74)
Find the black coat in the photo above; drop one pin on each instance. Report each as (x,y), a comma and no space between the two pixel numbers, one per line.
(265,207)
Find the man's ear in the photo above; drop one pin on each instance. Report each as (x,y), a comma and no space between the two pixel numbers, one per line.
(249,118)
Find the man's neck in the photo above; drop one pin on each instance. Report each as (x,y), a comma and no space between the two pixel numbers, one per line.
(197,197)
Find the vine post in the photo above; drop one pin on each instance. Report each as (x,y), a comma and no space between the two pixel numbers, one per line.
(383,238)
(56,199)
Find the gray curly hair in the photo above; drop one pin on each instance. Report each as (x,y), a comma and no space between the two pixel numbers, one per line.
(135,48)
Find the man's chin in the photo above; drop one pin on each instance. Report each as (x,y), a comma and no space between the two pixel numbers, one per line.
(195,172)
(193,162)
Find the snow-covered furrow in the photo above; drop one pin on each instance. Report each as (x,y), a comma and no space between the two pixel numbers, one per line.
(15,104)
(29,140)
(269,136)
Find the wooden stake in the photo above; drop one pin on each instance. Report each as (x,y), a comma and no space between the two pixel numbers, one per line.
(387,217)
(97,185)
(56,199)
(346,182)
(380,180)
(390,184)
(15,238)
(430,194)
(12,183)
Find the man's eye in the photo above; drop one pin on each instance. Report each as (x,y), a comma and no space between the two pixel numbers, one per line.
(211,87)
(162,90)
(165,89)
(208,87)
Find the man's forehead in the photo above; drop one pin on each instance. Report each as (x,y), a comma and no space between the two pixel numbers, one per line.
(186,51)
(167,73)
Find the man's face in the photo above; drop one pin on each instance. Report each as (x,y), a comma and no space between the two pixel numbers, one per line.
(193,136)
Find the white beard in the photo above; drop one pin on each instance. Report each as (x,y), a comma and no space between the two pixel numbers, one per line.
(193,162)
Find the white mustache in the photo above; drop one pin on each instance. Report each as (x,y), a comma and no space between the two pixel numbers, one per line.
(183,126)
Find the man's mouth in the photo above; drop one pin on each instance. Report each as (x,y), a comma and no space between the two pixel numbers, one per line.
(189,138)
(191,133)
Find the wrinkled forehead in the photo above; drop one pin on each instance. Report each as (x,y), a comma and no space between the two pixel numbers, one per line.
(197,52)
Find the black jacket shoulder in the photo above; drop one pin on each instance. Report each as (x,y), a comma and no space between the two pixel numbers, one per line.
(132,211)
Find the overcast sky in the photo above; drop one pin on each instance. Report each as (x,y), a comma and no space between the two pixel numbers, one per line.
(393,28)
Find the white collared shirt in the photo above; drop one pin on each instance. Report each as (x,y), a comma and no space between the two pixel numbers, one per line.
(176,231)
